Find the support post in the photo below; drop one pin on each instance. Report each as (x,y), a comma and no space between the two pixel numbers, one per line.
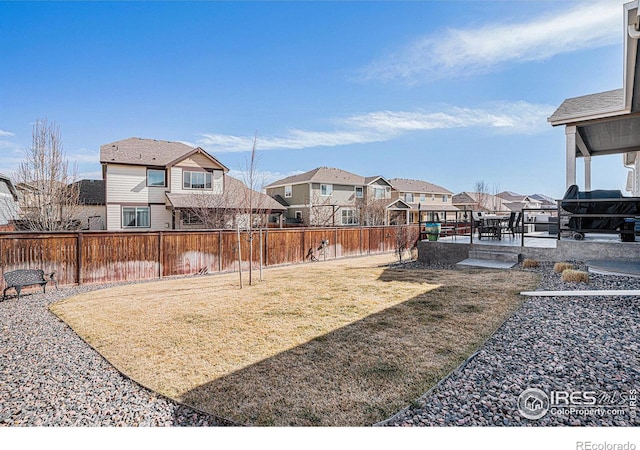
(587,173)
(570,132)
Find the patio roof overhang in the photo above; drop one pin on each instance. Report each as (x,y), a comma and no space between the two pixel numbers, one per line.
(608,122)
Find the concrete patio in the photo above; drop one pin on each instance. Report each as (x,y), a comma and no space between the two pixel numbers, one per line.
(539,246)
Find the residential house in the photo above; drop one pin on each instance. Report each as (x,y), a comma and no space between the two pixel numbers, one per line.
(157,185)
(328,196)
(427,201)
(545,200)
(517,202)
(8,203)
(92,213)
(480,201)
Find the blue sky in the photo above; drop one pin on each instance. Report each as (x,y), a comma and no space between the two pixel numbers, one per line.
(450,92)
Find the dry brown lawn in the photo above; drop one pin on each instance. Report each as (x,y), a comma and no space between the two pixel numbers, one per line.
(346,342)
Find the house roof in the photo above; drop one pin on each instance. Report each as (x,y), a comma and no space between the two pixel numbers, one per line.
(91,192)
(399,204)
(588,105)
(463,198)
(327,175)
(149,152)
(10,186)
(512,196)
(545,199)
(234,198)
(408,185)
(434,208)
(607,122)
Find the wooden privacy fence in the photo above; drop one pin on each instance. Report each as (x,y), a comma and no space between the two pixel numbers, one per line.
(103,257)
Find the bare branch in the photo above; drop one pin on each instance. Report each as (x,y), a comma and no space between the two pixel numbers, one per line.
(49,199)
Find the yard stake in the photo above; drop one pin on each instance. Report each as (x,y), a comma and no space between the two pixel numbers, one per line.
(239,256)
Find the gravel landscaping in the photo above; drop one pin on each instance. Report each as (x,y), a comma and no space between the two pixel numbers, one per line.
(50,377)
(572,344)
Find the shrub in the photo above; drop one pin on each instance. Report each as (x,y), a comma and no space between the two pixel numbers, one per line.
(562,266)
(575,276)
(530,263)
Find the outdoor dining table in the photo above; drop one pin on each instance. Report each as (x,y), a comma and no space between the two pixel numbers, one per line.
(491,226)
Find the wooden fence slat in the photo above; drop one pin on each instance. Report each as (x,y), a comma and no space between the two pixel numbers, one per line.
(102,257)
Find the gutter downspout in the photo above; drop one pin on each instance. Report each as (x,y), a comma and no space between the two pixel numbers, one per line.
(633,29)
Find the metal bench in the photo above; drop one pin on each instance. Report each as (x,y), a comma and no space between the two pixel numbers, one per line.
(27,277)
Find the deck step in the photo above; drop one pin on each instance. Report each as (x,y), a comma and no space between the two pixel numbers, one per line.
(486,263)
(494,255)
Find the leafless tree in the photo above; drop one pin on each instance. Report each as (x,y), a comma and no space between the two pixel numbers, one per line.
(49,199)
(372,211)
(481,189)
(406,239)
(254,209)
(323,211)
(215,211)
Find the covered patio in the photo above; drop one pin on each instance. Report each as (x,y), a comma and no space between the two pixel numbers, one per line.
(608,122)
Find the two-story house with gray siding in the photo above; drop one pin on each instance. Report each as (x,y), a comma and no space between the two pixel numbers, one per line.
(8,203)
(156,185)
(427,201)
(327,196)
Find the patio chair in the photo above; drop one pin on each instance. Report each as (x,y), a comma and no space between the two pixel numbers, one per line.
(518,226)
(509,228)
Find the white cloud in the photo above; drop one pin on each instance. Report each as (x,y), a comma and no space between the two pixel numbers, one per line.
(6,133)
(520,117)
(466,51)
(379,126)
(293,140)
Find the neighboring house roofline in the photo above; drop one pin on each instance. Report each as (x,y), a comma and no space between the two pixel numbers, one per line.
(417,186)
(399,200)
(11,186)
(370,180)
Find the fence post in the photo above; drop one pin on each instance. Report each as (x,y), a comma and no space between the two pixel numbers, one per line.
(304,244)
(160,253)
(266,247)
(220,251)
(79,246)
(335,251)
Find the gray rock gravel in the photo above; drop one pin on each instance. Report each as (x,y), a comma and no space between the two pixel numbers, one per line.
(50,377)
(570,344)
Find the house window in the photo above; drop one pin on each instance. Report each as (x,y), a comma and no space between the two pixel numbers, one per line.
(445,198)
(196,180)
(423,198)
(298,215)
(408,197)
(156,178)
(135,216)
(190,217)
(288,192)
(349,217)
(359,191)
(379,192)
(326,190)
(433,197)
